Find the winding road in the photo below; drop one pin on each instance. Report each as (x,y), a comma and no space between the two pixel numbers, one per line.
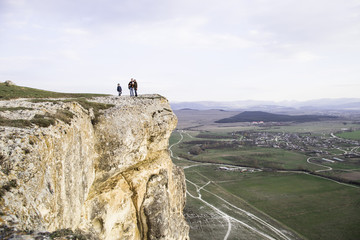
(322,170)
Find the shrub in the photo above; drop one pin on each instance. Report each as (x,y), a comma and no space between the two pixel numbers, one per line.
(42,120)
(195,150)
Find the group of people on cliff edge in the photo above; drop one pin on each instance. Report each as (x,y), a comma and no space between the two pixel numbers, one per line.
(132,85)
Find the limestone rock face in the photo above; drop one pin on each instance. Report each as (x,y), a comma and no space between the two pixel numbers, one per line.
(112,180)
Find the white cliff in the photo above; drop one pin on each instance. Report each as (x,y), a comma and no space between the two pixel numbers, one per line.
(112,179)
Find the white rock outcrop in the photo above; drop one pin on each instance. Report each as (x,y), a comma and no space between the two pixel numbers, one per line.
(111,180)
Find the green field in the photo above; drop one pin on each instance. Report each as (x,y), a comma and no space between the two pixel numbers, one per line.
(305,206)
(343,165)
(233,205)
(175,137)
(314,207)
(257,157)
(350,135)
(304,203)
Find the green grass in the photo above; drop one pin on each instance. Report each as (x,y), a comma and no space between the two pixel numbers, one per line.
(350,176)
(348,164)
(36,95)
(215,135)
(350,135)
(316,208)
(13,108)
(39,120)
(203,225)
(175,137)
(202,175)
(13,92)
(258,157)
(95,106)
(50,119)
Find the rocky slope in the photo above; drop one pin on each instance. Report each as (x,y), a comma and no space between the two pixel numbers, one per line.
(107,176)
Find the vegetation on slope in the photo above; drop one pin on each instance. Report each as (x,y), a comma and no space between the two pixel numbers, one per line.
(8,91)
(39,120)
(12,92)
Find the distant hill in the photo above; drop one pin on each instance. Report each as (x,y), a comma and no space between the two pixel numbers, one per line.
(256,116)
(284,107)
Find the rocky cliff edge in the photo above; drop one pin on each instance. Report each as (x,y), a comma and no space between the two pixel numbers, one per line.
(107,175)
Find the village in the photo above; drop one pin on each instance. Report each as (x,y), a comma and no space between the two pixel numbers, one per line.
(311,144)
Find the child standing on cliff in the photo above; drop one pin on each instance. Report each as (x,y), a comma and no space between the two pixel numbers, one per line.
(119,89)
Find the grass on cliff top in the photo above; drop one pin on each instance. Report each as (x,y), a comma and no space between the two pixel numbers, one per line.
(39,120)
(95,106)
(12,92)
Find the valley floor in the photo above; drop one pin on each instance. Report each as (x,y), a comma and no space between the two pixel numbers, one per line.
(226,201)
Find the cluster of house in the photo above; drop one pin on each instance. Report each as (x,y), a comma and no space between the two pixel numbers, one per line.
(306,142)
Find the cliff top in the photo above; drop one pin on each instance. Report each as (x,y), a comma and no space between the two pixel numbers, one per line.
(8,90)
(26,107)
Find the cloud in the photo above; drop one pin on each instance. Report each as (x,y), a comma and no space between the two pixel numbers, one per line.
(76,31)
(70,54)
(256,46)
(16,3)
(18,65)
(189,32)
(306,56)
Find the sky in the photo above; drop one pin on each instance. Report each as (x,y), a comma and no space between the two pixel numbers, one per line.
(185,50)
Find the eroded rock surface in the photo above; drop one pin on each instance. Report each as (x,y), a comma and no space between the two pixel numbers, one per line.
(111,180)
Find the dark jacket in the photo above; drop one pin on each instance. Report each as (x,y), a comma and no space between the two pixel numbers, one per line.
(119,89)
(135,85)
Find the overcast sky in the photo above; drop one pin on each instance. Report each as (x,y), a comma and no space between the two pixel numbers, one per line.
(186,50)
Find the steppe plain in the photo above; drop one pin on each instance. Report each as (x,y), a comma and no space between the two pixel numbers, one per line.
(269,180)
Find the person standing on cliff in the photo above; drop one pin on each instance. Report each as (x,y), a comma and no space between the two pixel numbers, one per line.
(135,87)
(119,89)
(131,87)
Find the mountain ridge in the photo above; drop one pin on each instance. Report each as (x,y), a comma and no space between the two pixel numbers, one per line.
(340,104)
(259,116)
